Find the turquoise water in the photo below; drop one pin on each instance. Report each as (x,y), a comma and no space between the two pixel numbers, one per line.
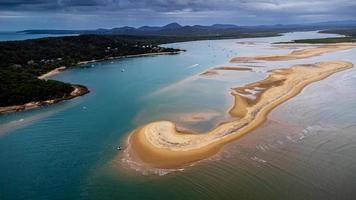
(68,151)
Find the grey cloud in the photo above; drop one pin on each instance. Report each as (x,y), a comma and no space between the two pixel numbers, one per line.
(187,5)
(140,12)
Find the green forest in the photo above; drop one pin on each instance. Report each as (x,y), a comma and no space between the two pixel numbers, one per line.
(23,61)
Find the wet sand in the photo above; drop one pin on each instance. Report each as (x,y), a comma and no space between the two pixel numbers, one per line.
(246,43)
(196,116)
(297,54)
(214,71)
(160,144)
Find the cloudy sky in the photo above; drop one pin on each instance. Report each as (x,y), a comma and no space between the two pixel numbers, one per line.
(89,14)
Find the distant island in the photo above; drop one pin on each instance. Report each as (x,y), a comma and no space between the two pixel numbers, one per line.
(212,31)
(26,65)
(350,36)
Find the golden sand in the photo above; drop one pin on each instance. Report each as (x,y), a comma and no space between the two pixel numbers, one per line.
(298,54)
(52,72)
(160,144)
(215,71)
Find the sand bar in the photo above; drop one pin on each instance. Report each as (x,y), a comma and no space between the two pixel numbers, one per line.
(214,71)
(160,144)
(298,54)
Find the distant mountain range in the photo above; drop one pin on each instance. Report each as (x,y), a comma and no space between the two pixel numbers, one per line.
(175,29)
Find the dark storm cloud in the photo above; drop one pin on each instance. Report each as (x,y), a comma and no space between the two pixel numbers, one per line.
(139,12)
(301,6)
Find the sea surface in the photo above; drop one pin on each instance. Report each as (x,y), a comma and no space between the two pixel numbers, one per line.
(305,150)
(13,35)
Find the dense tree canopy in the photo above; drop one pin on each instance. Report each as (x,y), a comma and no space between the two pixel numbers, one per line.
(23,61)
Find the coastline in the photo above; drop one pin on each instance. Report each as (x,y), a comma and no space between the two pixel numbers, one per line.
(160,145)
(130,56)
(78,90)
(58,70)
(297,54)
(52,73)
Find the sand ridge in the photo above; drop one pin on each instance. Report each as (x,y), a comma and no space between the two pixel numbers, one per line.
(160,144)
(215,70)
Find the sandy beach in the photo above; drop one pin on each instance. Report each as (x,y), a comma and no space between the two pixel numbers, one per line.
(160,144)
(215,70)
(298,54)
(52,72)
(129,56)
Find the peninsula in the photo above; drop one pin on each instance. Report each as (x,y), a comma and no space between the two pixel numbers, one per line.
(26,65)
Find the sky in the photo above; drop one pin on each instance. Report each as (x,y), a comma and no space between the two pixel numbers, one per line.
(92,14)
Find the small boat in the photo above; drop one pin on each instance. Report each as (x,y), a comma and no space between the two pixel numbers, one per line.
(119,148)
(122,70)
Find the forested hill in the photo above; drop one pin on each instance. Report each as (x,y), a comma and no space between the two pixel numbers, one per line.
(38,56)
(23,61)
(349,35)
(221,30)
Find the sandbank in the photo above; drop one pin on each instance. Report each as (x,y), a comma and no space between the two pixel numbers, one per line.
(160,144)
(214,71)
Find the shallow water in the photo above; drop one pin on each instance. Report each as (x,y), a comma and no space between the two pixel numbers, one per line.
(306,150)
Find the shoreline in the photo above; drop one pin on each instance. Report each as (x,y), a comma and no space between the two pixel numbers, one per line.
(78,90)
(215,70)
(129,56)
(53,72)
(58,70)
(297,54)
(160,145)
